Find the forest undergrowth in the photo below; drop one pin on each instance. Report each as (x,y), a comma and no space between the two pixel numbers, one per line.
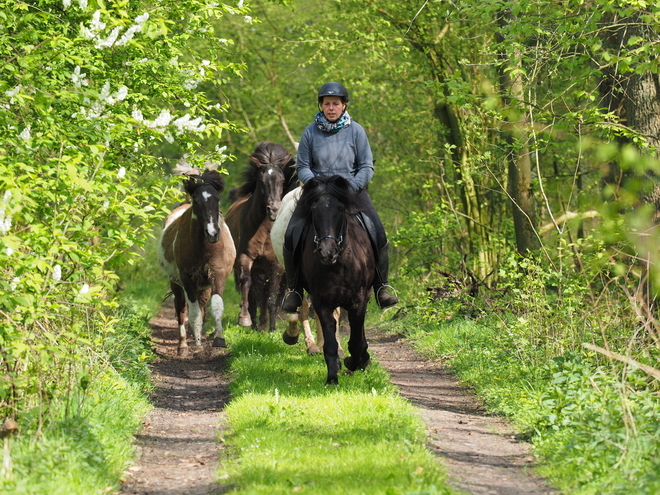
(594,420)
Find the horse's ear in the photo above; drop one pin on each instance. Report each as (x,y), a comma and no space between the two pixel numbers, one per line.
(312,183)
(340,182)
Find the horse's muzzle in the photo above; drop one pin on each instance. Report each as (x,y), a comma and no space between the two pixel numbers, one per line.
(212,238)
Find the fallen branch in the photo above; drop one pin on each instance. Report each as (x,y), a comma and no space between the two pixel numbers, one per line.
(624,359)
(569,215)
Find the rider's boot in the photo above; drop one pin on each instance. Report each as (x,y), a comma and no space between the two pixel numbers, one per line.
(293,298)
(384,298)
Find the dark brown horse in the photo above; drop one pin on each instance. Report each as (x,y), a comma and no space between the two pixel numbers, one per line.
(257,271)
(197,252)
(338,267)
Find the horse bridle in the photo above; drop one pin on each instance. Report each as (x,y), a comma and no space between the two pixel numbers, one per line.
(339,240)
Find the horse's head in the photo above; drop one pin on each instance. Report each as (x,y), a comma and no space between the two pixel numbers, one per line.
(269,176)
(327,199)
(205,192)
(271,187)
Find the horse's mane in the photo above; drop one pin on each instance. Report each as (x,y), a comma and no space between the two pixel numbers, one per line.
(268,153)
(335,186)
(210,177)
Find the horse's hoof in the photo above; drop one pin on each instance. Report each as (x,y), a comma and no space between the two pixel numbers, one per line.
(219,342)
(332,381)
(289,340)
(182,351)
(351,363)
(312,350)
(244,321)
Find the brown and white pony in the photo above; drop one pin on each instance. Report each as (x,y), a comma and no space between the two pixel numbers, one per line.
(197,252)
(291,334)
(257,272)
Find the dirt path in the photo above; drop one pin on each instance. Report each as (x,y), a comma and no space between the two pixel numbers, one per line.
(178,447)
(480,452)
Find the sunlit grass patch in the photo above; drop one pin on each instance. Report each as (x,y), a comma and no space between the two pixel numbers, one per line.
(291,433)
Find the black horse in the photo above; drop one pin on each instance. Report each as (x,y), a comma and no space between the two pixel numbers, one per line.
(338,266)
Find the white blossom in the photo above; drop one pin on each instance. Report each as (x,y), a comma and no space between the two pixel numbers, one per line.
(121,173)
(136,147)
(57,273)
(84,289)
(9,251)
(11,93)
(106,204)
(121,93)
(206,62)
(191,83)
(222,40)
(185,124)
(82,4)
(218,149)
(137,115)
(14,283)
(66,4)
(25,133)
(109,41)
(240,4)
(168,137)
(163,119)
(174,61)
(248,19)
(141,19)
(78,77)
(95,26)
(128,35)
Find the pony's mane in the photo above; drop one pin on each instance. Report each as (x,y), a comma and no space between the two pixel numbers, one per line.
(268,153)
(335,186)
(210,178)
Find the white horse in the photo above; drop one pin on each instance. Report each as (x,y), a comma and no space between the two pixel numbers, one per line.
(290,335)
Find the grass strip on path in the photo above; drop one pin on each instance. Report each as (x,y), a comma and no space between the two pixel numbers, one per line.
(289,433)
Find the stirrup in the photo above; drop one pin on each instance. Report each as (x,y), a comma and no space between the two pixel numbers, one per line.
(390,304)
(287,303)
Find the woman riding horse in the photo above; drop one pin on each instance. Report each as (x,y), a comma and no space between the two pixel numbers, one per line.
(336,145)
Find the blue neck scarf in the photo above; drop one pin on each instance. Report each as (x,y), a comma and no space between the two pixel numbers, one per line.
(332,127)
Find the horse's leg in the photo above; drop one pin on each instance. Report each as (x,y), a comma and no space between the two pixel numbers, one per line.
(180,310)
(195,315)
(312,347)
(218,309)
(244,280)
(319,332)
(290,335)
(253,304)
(337,315)
(273,296)
(330,345)
(357,344)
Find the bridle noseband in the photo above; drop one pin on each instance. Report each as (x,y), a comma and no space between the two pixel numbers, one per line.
(339,239)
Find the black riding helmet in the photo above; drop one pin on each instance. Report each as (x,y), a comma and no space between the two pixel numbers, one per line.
(333,89)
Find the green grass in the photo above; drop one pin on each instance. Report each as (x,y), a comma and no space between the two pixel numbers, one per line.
(595,428)
(291,433)
(84,452)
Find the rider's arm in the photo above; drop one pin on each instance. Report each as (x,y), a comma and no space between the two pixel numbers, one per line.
(304,161)
(364,162)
